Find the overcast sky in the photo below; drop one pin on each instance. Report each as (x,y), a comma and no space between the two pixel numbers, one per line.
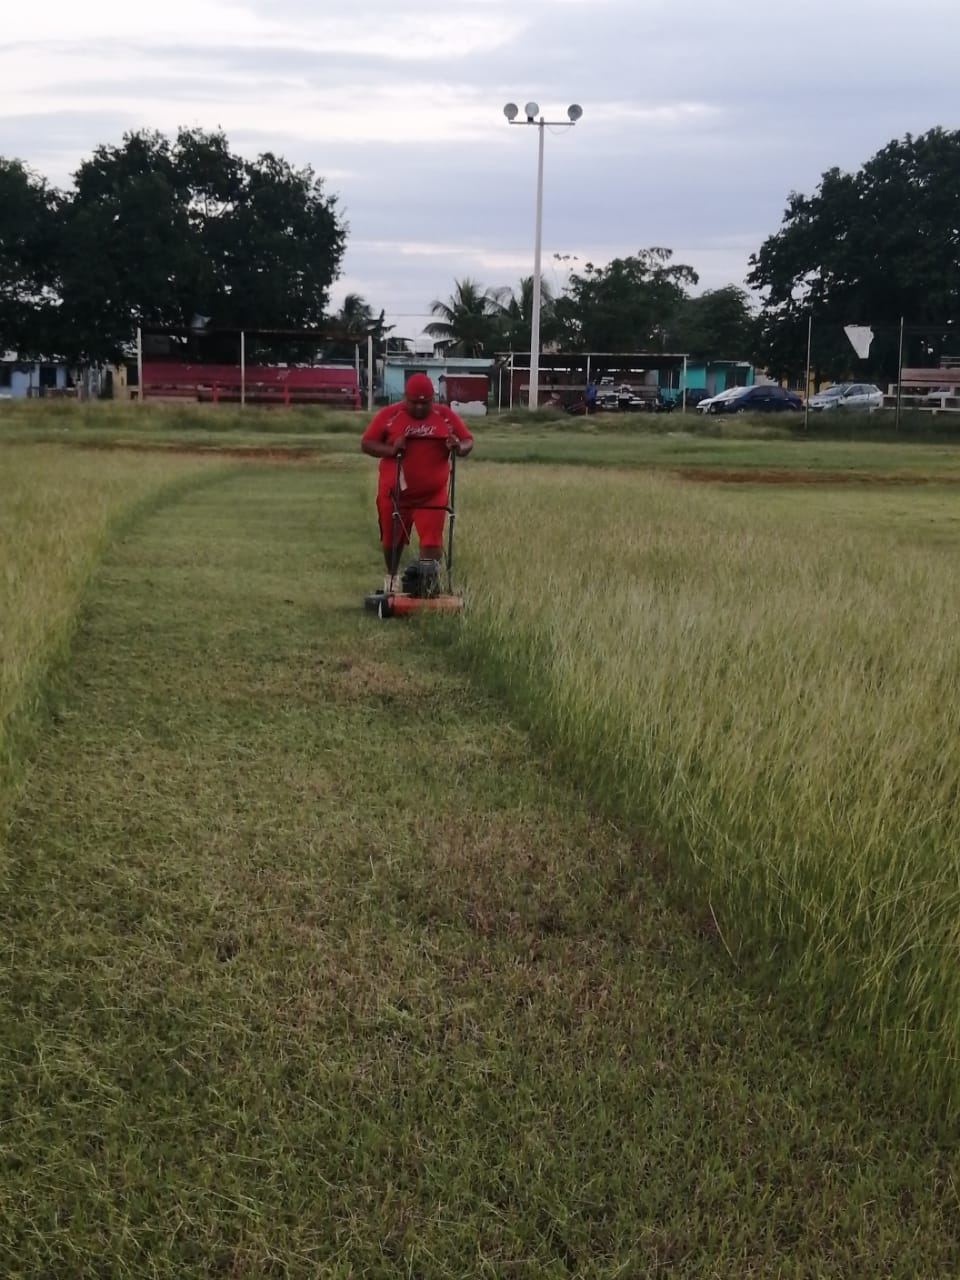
(699,116)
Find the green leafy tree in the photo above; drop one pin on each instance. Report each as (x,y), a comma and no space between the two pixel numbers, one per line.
(468,323)
(29,212)
(716,325)
(158,231)
(867,248)
(629,305)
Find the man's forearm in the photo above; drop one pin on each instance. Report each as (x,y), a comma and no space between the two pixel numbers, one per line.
(377,448)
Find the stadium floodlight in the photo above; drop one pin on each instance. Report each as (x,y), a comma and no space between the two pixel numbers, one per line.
(532,110)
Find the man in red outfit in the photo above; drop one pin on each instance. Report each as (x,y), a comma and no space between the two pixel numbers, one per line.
(422,435)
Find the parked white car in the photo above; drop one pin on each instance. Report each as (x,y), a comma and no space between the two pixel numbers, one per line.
(706,406)
(848,395)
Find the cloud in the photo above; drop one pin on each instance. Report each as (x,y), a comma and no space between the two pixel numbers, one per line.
(698,120)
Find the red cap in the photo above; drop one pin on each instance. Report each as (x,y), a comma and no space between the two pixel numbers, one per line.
(419,387)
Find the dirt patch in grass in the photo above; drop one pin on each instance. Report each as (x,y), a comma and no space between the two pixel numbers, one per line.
(805,475)
(353,677)
(256,453)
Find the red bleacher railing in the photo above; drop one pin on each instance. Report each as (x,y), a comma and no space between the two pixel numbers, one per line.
(263,384)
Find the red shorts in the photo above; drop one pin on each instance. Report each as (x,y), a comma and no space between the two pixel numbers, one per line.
(426,515)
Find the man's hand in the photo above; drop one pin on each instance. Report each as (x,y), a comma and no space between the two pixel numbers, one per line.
(453,444)
(399,446)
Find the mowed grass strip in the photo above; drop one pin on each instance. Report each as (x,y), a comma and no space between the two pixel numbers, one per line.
(766,679)
(57,507)
(313,967)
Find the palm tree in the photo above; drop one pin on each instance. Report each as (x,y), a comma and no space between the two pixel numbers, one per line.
(355,316)
(515,315)
(354,320)
(467,324)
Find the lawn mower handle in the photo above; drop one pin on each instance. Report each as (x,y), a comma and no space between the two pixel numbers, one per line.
(451,509)
(451,512)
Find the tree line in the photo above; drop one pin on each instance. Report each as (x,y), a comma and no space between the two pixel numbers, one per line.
(877,247)
(636,303)
(166,234)
(170,233)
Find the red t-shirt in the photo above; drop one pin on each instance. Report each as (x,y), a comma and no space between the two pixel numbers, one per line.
(426,460)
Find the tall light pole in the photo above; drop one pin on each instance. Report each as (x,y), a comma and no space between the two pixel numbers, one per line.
(532,112)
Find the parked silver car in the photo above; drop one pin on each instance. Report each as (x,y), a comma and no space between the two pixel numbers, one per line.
(848,395)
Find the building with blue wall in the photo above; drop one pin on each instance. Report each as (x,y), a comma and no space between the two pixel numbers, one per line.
(713,376)
(21,379)
(397,368)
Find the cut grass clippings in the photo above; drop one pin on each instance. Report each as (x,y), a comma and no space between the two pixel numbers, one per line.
(314,967)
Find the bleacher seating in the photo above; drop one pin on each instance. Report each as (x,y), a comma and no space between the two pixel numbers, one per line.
(334,385)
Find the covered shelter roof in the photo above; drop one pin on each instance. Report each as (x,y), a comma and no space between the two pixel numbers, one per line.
(605,361)
(321,333)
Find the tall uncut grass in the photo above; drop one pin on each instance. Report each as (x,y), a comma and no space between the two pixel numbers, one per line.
(56,507)
(96,419)
(767,682)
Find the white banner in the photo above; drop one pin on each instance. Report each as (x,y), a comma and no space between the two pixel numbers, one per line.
(861,336)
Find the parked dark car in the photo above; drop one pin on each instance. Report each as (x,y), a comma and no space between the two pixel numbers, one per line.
(765,398)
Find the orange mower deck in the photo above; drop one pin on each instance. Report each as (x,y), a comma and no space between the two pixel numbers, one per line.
(396,605)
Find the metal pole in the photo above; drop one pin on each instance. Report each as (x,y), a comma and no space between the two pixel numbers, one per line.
(369,371)
(243,368)
(533,397)
(139,364)
(683,394)
(511,381)
(896,425)
(806,390)
(395,522)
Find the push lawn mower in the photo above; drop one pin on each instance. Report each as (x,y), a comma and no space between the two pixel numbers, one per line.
(426,585)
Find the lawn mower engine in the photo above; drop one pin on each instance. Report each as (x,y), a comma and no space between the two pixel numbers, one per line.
(421,579)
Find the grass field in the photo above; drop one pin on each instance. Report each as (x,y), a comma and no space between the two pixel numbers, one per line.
(333,948)
(689,442)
